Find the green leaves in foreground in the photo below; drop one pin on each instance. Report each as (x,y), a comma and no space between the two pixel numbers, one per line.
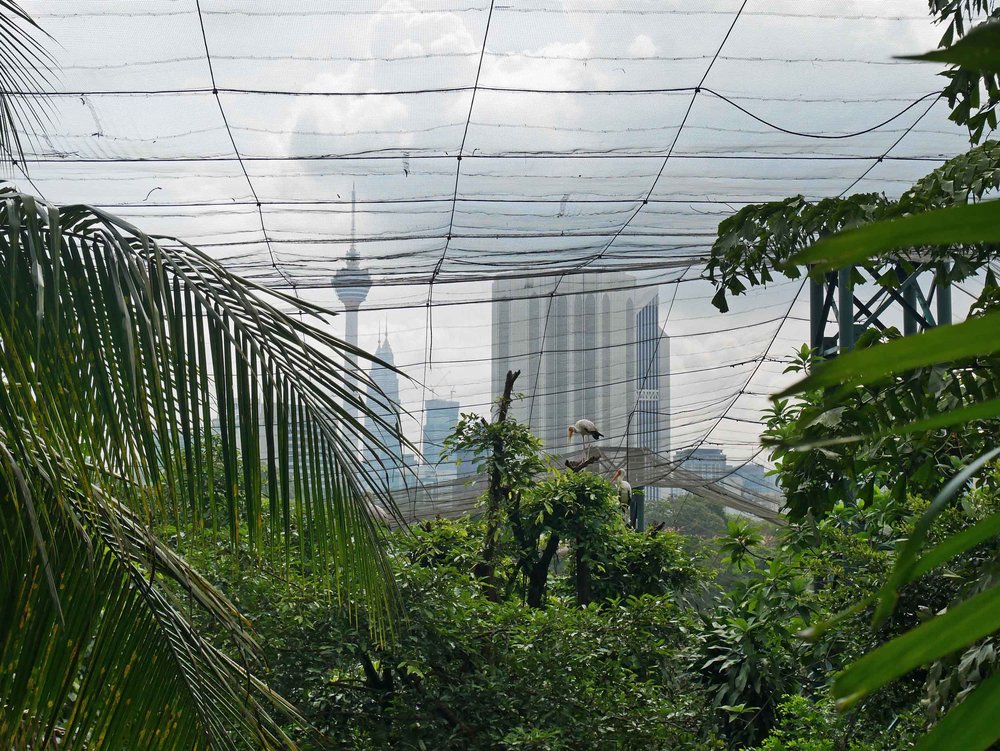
(968,223)
(956,628)
(966,726)
(978,617)
(143,386)
(977,50)
(971,338)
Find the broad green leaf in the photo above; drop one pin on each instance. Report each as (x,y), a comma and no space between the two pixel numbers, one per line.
(971,338)
(955,544)
(968,223)
(980,411)
(977,50)
(901,572)
(942,635)
(971,726)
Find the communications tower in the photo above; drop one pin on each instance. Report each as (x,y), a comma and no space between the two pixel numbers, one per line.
(352,284)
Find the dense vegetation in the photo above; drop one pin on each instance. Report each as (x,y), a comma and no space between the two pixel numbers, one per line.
(639,640)
(132,525)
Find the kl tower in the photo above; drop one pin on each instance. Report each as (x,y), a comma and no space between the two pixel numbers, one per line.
(352,284)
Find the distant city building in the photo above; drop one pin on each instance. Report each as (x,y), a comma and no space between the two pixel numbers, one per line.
(352,284)
(593,350)
(756,482)
(388,461)
(711,464)
(440,419)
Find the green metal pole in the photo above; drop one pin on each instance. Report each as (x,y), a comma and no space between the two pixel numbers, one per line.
(910,297)
(943,294)
(816,325)
(845,308)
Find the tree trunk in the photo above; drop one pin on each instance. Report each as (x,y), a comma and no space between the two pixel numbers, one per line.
(485,568)
(539,574)
(582,577)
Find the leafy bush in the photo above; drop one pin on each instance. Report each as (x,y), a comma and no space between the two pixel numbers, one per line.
(804,725)
(470,673)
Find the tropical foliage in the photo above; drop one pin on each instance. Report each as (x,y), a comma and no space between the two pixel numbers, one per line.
(471,672)
(127,362)
(189,558)
(908,414)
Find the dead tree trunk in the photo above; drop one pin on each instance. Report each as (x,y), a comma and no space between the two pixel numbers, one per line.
(485,569)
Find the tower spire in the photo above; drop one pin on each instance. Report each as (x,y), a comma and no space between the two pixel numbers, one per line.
(352,282)
(352,252)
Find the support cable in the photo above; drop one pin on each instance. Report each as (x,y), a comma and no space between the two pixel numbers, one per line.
(623,227)
(429,315)
(232,140)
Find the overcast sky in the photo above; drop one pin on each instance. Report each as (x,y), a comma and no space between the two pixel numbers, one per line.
(383,96)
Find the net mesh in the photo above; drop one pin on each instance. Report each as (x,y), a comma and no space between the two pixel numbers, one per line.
(553,155)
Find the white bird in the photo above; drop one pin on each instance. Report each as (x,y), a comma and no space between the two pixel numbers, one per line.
(624,488)
(584,428)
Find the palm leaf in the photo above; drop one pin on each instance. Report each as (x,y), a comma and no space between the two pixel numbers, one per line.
(113,663)
(24,76)
(128,363)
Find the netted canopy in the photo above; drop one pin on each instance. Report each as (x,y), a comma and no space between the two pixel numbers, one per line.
(453,143)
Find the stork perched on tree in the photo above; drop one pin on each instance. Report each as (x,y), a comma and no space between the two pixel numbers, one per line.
(584,428)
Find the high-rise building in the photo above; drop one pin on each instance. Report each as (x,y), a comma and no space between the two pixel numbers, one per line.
(388,460)
(708,463)
(756,481)
(440,418)
(593,348)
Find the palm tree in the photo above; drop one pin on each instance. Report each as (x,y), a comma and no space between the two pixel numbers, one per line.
(24,74)
(127,364)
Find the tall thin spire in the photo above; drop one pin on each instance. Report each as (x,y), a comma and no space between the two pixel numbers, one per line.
(352,252)
(352,282)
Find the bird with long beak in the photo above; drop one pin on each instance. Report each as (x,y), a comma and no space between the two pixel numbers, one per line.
(585,428)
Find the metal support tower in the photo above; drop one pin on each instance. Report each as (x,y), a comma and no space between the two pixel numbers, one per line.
(838,315)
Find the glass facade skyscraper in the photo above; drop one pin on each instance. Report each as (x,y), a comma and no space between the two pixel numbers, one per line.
(584,352)
(386,460)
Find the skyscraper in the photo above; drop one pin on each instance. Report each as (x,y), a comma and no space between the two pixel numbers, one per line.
(709,463)
(352,284)
(440,418)
(592,348)
(387,460)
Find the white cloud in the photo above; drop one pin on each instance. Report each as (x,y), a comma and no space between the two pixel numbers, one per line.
(642,46)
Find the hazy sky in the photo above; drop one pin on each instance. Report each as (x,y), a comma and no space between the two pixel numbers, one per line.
(577,107)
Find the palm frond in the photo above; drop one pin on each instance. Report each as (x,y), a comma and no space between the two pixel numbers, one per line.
(127,364)
(25,75)
(113,662)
